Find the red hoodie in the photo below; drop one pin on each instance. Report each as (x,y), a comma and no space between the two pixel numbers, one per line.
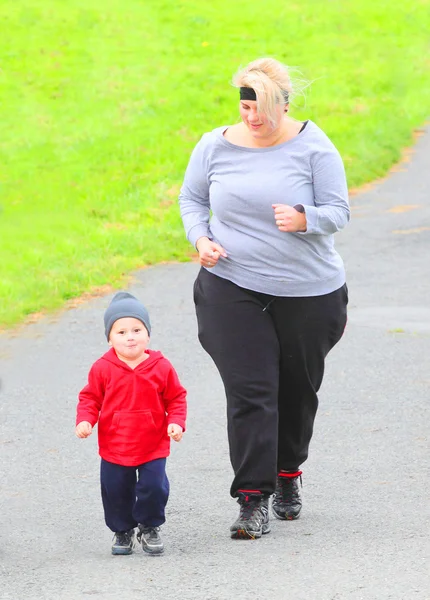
(133,407)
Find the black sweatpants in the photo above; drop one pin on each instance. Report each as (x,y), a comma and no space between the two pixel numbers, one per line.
(270,353)
(133,495)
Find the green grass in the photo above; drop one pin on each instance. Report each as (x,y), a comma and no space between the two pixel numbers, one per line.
(103,100)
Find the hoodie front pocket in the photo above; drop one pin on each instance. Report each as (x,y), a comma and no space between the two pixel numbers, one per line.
(135,432)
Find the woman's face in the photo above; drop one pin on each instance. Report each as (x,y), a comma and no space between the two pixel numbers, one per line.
(258,124)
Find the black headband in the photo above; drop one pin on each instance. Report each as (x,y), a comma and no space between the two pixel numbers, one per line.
(247,93)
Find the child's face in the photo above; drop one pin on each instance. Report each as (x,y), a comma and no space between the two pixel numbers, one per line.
(129,338)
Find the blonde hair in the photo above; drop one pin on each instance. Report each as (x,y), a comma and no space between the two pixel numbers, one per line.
(271,82)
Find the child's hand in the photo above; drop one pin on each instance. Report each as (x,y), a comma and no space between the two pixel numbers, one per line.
(175,432)
(84,429)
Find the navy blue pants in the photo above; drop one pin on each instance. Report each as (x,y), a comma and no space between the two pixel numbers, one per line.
(133,495)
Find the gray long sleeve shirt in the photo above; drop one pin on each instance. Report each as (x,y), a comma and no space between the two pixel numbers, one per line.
(227,195)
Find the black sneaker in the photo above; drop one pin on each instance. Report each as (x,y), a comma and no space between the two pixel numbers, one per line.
(253,519)
(123,542)
(287,503)
(150,539)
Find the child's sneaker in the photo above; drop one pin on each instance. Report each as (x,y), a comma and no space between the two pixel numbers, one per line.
(150,539)
(123,542)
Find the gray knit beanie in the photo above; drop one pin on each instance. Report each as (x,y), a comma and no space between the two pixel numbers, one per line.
(122,305)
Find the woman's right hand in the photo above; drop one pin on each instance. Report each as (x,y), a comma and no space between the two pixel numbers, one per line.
(209,252)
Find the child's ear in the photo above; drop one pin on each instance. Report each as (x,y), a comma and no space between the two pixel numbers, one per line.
(110,343)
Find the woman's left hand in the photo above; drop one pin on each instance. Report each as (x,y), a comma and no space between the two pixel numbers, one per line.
(288,218)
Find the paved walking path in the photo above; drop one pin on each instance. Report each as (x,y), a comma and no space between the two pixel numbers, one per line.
(364,530)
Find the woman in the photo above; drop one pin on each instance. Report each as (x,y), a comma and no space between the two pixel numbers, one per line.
(261,201)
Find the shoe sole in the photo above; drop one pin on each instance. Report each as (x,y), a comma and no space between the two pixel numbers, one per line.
(289,518)
(153,552)
(122,551)
(243,534)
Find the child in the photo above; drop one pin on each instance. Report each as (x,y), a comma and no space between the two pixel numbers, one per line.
(135,396)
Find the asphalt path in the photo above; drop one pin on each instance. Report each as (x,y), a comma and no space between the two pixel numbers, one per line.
(364,533)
